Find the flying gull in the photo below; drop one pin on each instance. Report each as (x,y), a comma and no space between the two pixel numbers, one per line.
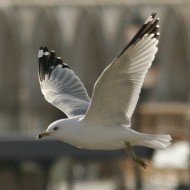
(104,121)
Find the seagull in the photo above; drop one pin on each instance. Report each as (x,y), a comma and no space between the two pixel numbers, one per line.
(104,121)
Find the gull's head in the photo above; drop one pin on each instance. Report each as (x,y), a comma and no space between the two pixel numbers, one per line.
(61,129)
(53,130)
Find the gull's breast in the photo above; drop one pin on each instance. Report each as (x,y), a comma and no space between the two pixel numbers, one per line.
(97,138)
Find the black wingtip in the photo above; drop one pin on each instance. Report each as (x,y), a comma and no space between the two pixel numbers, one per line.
(150,26)
(150,18)
(47,62)
(153,15)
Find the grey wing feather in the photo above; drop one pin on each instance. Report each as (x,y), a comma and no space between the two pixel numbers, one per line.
(60,86)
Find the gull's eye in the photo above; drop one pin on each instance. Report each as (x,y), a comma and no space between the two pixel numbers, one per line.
(55,128)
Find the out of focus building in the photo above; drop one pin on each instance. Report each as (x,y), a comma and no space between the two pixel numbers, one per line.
(87,35)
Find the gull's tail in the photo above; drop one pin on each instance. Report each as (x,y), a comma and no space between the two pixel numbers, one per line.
(155,141)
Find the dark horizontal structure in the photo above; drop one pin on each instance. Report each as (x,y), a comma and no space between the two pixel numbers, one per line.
(22,147)
(18,148)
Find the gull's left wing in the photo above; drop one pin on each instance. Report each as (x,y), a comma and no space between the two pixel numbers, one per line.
(117,90)
(60,86)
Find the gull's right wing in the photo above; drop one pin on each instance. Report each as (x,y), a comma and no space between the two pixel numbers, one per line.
(60,86)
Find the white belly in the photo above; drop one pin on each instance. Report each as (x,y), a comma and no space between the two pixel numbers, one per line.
(93,136)
(98,138)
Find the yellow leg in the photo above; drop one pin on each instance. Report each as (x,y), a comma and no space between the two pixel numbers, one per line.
(134,157)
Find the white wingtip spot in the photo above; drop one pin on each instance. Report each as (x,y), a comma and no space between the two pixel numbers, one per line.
(149,19)
(40,53)
(46,53)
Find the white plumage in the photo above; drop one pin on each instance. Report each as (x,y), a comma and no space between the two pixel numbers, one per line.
(104,122)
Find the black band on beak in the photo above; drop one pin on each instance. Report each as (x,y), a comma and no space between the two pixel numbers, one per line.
(42,135)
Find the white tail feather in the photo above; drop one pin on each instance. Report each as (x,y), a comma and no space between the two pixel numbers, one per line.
(155,141)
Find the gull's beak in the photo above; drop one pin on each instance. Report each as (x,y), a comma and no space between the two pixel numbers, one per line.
(42,135)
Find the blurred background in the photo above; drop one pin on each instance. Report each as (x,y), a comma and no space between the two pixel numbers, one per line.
(88,34)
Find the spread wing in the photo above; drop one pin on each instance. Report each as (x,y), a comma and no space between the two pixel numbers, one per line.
(60,86)
(117,90)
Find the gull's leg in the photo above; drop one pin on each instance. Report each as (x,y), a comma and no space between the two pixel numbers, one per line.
(134,157)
